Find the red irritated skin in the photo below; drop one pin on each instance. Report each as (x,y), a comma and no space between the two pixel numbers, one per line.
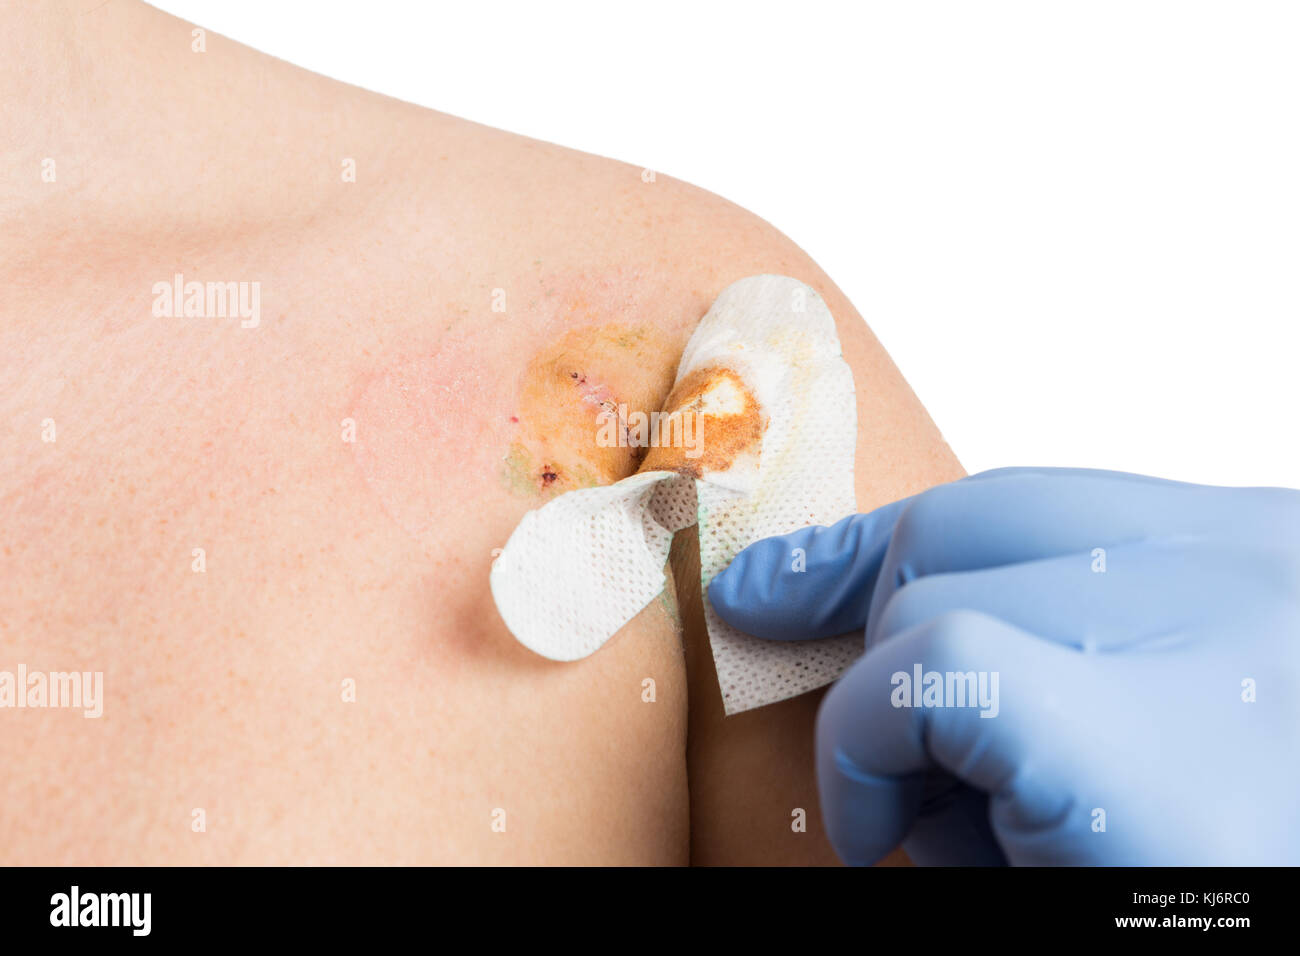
(455,419)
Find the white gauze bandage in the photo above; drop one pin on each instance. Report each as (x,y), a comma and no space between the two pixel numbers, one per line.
(765,363)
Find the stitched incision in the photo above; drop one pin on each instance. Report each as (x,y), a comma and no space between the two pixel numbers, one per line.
(556,444)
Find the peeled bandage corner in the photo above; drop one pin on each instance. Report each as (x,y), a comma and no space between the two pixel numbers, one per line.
(756,439)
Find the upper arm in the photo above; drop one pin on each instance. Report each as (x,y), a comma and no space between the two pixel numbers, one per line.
(750,773)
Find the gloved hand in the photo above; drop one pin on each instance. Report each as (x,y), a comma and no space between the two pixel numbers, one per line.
(1145,637)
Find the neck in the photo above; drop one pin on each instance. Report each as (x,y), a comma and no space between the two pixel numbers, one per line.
(75,78)
(111,121)
(49,58)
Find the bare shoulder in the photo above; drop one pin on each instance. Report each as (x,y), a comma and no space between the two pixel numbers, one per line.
(752,783)
(269,525)
(589,254)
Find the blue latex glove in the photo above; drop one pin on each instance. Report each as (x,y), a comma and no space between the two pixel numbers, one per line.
(1122,691)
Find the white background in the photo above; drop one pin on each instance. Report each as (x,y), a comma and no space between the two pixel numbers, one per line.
(1075,226)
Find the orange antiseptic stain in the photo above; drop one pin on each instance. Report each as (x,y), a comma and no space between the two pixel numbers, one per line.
(728,416)
(567,386)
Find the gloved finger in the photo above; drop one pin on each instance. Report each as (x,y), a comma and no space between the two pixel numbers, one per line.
(876,748)
(1023,515)
(814,582)
(817,581)
(1105,599)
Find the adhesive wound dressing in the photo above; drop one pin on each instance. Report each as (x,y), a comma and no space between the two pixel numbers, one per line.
(767,401)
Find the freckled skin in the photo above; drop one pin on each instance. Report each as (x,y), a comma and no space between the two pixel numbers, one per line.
(555,445)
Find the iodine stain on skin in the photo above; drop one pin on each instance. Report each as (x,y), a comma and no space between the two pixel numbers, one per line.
(563,392)
(426,430)
(437,430)
(727,422)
